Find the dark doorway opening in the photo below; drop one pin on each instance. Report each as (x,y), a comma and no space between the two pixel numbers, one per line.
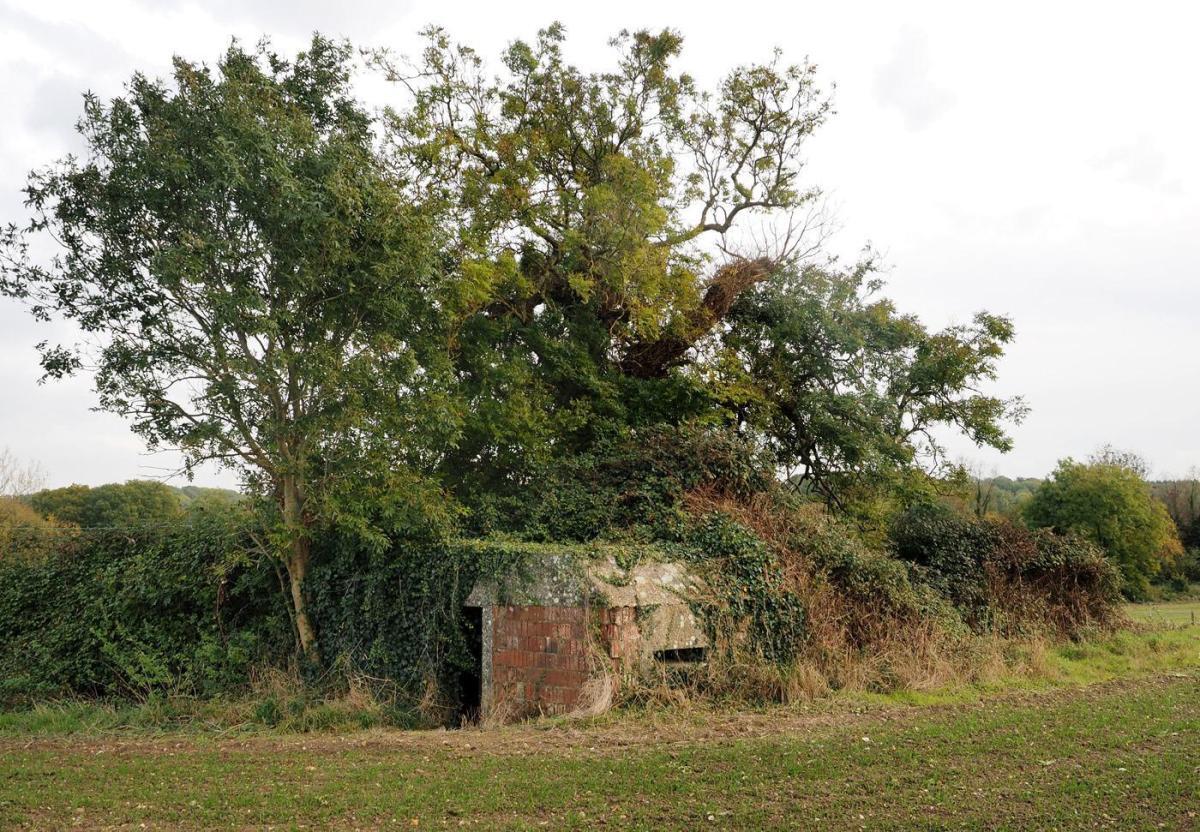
(470,678)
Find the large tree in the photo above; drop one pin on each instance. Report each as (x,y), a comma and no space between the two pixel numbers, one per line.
(252,285)
(578,202)
(605,284)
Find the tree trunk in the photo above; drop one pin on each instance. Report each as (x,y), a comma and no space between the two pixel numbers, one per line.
(297,567)
(297,560)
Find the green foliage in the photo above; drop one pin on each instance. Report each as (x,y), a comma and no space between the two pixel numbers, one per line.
(196,495)
(630,485)
(880,589)
(582,297)
(604,177)
(234,228)
(512,283)
(119,505)
(395,612)
(874,594)
(752,608)
(1182,501)
(1180,573)
(954,550)
(1189,535)
(132,611)
(1112,506)
(847,392)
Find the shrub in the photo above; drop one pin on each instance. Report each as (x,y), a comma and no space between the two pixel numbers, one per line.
(132,611)
(879,592)
(633,484)
(1111,505)
(952,549)
(1079,585)
(1003,578)
(1181,572)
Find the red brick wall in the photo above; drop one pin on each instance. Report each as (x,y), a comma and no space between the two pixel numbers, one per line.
(540,658)
(619,634)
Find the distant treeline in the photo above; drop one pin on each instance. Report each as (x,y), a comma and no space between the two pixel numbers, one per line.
(1005,496)
(1182,499)
(1013,498)
(131,503)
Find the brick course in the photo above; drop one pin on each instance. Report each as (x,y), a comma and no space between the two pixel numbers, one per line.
(542,656)
(620,635)
(540,659)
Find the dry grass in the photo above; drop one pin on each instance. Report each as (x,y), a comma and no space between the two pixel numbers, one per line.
(850,645)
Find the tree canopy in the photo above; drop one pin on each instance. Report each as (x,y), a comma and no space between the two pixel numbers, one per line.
(1111,505)
(505,273)
(604,285)
(845,390)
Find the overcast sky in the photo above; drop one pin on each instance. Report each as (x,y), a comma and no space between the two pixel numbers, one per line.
(1032,159)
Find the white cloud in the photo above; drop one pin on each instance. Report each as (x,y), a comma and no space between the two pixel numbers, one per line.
(905,83)
(1140,163)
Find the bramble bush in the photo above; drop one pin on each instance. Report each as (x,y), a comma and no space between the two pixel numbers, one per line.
(752,608)
(186,608)
(1005,578)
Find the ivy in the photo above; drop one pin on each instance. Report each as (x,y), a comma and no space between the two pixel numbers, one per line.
(750,606)
(126,611)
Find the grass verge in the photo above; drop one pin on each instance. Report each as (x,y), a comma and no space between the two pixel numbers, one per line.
(1110,740)
(1121,755)
(996,666)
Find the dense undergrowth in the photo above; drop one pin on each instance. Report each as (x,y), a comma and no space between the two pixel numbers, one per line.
(276,702)
(799,601)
